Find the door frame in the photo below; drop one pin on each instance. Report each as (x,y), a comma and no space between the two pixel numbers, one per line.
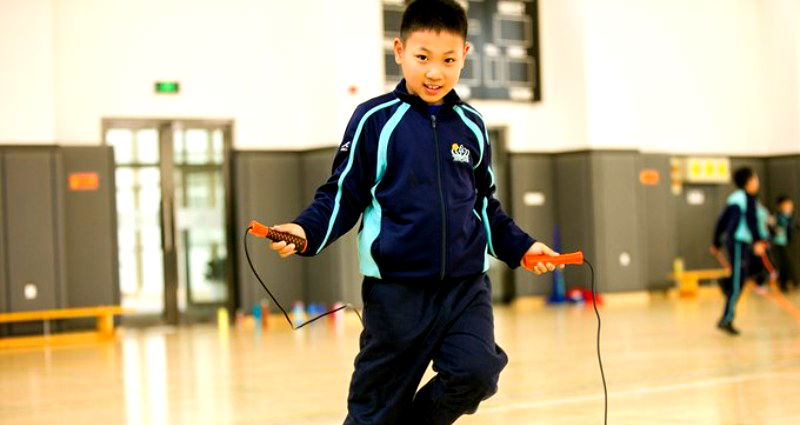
(171,314)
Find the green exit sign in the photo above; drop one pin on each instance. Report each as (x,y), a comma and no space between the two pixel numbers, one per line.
(167,87)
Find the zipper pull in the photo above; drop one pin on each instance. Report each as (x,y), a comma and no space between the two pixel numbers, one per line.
(433,120)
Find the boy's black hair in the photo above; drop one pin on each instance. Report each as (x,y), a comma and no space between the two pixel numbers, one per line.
(743,175)
(781,199)
(436,15)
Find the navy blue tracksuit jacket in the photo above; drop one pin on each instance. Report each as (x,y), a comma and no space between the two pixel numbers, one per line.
(425,187)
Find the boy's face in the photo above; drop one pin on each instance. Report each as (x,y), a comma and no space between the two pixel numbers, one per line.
(752,185)
(787,207)
(431,62)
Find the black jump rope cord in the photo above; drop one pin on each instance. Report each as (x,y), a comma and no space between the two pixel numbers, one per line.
(355,310)
(599,358)
(283,310)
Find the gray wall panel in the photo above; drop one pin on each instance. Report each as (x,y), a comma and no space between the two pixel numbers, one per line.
(599,213)
(783,178)
(658,224)
(574,211)
(616,207)
(31,234)
(59,202)
(267,190)
(92,272)
(697,222)
(533,173)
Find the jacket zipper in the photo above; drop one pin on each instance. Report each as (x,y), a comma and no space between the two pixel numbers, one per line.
(441,196)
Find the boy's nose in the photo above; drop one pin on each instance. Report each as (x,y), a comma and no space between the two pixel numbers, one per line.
(433,74)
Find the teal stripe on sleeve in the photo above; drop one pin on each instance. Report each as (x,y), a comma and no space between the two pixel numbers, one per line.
(487,226)
(736,281)
(485,129)
(347,168)
(477,131)
(482,138)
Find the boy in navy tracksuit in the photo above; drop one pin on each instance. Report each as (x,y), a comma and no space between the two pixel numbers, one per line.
(745,244)
(415,165)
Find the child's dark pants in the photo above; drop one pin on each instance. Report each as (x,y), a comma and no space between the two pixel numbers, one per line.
(410,323)
(783,261)
(740,255)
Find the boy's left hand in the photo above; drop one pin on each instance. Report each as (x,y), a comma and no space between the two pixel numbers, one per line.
(539,248)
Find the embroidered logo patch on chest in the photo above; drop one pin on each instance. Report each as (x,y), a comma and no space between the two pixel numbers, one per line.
(460,153)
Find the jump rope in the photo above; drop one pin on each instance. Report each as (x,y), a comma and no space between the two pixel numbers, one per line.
(529,262)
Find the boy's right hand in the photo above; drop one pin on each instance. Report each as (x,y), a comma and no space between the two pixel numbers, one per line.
(282,248)
(759,248)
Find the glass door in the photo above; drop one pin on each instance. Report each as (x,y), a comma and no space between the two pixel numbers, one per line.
(173,203)
(201,242)
(138,181)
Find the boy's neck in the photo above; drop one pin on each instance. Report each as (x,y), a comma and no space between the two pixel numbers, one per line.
(404,93)
(440,102)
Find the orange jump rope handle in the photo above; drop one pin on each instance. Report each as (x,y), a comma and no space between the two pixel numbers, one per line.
(259,230)
(529,261)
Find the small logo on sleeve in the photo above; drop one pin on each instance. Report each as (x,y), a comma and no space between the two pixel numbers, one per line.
(460,153)
(345,147)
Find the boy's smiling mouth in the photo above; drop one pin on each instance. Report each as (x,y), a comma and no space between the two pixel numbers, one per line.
(432,89)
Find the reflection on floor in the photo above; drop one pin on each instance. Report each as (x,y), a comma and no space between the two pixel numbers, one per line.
(665,361)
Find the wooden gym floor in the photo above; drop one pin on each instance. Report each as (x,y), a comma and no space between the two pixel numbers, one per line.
(665,362)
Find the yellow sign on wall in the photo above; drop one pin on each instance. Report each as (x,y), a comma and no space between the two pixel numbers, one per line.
(707,170)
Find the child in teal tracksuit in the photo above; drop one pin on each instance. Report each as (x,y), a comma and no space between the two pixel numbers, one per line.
(783,230)
(739,224)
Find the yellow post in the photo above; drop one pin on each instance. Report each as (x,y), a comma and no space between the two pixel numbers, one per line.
(688,282)
(223,323)
(105,324)
(677,267)
(690,285)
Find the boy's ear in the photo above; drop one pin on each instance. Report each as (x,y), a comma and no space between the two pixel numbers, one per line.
(398,51)
(467,48)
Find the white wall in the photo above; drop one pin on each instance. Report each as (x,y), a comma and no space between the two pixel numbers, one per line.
(796,24)
(690,76)
(686,76)
(356,42)
(26,72)
(780,26)
(257,62)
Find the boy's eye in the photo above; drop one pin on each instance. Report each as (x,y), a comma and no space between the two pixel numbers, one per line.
(449,60)
(422,57)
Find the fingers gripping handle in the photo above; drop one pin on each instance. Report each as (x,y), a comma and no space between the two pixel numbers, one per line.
(259,230)
(530,261)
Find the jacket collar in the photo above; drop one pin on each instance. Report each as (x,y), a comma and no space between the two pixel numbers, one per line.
(450,99)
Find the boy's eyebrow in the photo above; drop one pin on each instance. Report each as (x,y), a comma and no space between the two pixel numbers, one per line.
(446,53)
